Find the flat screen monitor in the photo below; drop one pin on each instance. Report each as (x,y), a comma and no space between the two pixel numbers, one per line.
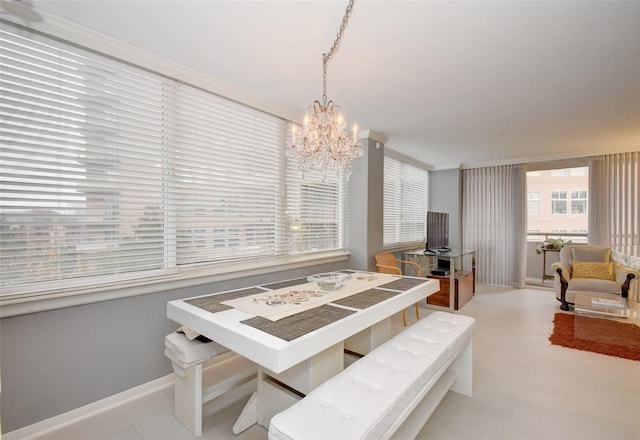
(437,230)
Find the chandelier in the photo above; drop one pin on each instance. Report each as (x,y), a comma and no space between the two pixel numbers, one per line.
(324,145)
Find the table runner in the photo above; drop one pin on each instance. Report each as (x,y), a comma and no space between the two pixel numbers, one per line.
(404,283)
(366,299)
(294,326)
(281,303)
(280,284)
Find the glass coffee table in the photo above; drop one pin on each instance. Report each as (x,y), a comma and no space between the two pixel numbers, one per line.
(607,306)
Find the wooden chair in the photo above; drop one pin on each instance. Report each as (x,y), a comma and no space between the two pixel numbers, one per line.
(386,262)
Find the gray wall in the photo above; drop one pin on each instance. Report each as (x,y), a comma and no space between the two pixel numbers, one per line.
(54,361)
(446,197)
(366,207)
(59,360)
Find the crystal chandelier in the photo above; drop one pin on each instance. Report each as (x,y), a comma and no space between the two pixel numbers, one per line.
(324,144)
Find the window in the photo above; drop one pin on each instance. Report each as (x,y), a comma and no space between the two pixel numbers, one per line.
(578,202)
(111,172)
(560,172)
(558,202)
(533,202)
(406,190)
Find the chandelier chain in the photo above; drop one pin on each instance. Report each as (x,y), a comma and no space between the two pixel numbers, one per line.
(326,57)
(324,143)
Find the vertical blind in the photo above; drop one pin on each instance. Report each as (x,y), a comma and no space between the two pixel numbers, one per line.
(108,171)
(494,222)
(614,214)
(406,201)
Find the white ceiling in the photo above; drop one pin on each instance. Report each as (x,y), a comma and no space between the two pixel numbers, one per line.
(449,83)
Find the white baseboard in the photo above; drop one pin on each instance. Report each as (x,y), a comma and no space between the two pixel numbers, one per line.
(54,423)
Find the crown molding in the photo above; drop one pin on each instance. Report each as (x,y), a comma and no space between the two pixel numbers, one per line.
(551,158)
(375,135)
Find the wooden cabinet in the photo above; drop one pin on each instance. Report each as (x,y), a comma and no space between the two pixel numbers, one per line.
(464,289)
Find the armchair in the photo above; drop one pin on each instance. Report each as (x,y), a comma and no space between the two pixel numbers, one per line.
(386,262)
(586,268)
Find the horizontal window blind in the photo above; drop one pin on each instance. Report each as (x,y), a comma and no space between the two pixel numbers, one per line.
(227,178)
(315,214)
(109,171)
(406,196)
(80,194)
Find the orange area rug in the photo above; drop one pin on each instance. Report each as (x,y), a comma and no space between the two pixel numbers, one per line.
(598,335)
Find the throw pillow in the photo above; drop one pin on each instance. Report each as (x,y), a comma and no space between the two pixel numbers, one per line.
(588,253)
(589,269)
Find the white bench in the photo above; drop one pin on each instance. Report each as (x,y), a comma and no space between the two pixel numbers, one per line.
(392,391)
(188,357)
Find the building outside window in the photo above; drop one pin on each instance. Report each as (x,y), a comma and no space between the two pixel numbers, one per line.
(533,202)
(578,202)
(558,202)
(551,207)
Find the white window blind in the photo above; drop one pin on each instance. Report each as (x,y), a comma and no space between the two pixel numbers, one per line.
(80,136)
(109,171)
(315,214)
(406,198)
(226,178)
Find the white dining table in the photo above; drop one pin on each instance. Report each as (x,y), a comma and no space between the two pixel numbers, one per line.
(289,369)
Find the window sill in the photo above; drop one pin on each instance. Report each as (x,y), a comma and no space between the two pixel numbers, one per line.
(32,302)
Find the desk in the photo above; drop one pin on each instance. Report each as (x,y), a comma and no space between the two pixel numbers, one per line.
(544,251)
(456,259)
(302,363)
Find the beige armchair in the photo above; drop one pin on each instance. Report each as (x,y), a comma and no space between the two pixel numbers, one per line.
(585,268)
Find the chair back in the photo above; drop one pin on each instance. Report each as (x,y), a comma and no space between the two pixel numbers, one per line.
(387,263)
(585,253)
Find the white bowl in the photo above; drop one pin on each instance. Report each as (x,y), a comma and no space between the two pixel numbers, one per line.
(328,281)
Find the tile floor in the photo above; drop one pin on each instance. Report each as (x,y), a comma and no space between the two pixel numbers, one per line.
(524,388)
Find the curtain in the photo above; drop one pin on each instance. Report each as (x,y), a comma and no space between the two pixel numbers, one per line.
(614,215)
(494,222)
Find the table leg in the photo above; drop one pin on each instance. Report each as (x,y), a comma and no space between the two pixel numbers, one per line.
(370,338)
(278,391)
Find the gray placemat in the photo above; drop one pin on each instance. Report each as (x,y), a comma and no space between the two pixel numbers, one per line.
(294,326)
(404,283)
(283,284)
(366,299)
(211,303)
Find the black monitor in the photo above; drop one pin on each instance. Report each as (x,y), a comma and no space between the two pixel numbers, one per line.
(437,231)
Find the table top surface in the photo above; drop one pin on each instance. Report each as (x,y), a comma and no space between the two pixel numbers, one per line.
(607,306)
(453,253)
(279,345)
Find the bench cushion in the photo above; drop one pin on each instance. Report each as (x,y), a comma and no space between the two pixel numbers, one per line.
(365,399)
(187,352)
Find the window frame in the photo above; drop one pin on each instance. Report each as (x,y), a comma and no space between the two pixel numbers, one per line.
(65,294)
(534,200)
(558,199)
(583,201)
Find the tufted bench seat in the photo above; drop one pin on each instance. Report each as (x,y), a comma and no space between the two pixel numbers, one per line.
(228,371)
(392,391)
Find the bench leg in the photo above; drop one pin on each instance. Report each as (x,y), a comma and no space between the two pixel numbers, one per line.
(188,399)
(463,368)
